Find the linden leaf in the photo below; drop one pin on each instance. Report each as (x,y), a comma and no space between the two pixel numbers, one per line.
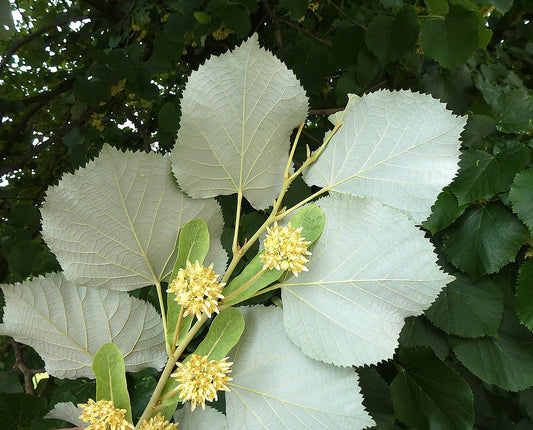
(388,150)
(67,325)
(115,222)
(275,386)
(238,112)
(201,419)
(370,269)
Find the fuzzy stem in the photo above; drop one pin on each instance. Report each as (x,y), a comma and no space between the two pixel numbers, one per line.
(177,331)
(163,312)
(235,246)
(151,407)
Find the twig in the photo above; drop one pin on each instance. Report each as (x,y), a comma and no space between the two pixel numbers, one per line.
(307,33)
(348,17)
(59,22)
(20,365)
(16,163)
(325,112)
(275,21)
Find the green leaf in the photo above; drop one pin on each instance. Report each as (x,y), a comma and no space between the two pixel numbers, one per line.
(224,332)
(505,360)
(468,308)
(30,258)
(378,400)
(484,239)
(386,149)
(297,8)
(521,196)
(494,80)
(17,410)
(193,245)
(418,331)
(201,419)
(67,325)
(237,17)
(270,373)
(115,222)
(110,372)
(312,219)
(168,118)
(7,27)
(25,215)
(477,131)
(502,6)
(388,38)
(513,111)
(202,17)
(370,269)
(238,112)
(524,294)
(483,175)
(437,7)
(427,393)
(444,212)
(452,40)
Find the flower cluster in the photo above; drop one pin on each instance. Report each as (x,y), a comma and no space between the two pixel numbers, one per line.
(197,290)
(103,416)
(200,379)
(158,423)
(285,249)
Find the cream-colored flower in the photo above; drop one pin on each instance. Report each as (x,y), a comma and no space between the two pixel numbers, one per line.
(103,416)
(158,423)
(197,290)
(285,249)
(200,379)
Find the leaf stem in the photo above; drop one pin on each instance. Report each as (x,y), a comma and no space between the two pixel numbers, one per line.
(163,311)
(177,330)
(235,246)
(312,158)
(293,150)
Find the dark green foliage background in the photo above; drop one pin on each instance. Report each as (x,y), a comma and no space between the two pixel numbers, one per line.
(65,90)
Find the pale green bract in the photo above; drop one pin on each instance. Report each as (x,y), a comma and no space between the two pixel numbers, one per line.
(370,269)
(238,112)
(275,386)
(115,222)
(398,147)
(67,325)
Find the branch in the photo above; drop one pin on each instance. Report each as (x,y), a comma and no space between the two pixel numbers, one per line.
(20,161)
(59,22)
(325,112)
(304,31)
(345,15)
(275,21)
(145,134)
(105,8)
(20,365)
